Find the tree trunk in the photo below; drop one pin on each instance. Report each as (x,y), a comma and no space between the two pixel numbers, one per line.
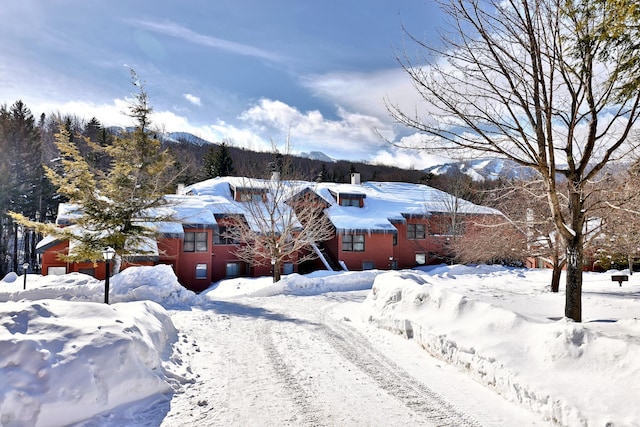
(15,247)
(276,272)
(630,262)
(555,276)
(573,302)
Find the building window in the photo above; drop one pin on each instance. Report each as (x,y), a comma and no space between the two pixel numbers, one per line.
(395,239)
(287,268)
(201,271)
(415,231)
(368,265)
(349,202)
(251,197)
(222,236)
(353,243)
(233,269)
(56,271)
(421,259)
(195,241)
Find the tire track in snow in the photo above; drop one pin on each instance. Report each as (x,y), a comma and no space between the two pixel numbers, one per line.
(392,378)
(301,398)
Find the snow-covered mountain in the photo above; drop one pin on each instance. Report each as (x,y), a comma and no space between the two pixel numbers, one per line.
(317,155)
(485,169)
(181,137)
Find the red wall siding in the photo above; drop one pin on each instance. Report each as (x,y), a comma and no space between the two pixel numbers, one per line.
(407,249)
(186,268)
(378,248)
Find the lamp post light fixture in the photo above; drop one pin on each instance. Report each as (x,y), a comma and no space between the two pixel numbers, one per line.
(25,268)
(107,253)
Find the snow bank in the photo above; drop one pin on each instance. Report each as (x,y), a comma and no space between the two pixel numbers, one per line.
(315,283)
(62,362)
(158,283)
(68,287)
(568,372)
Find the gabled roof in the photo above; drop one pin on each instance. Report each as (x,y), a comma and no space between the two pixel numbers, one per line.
(389,203)
(385,204)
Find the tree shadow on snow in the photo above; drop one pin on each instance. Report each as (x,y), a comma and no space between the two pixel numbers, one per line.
(231,308)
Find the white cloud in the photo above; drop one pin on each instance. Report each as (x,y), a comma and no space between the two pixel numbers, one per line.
(174,30)
(366,92)
(114,114)
(351,136)
(192,99)
(407,159)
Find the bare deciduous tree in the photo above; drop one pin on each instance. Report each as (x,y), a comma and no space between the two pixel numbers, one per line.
(282,218)
(544,83)
(621,229)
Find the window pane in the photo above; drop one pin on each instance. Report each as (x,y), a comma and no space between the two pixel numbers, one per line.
(358,238)
(56,271)
(233,269)
(201,271)
(347,245)
(189,242)
(288,268)
(201,241)
(358,247)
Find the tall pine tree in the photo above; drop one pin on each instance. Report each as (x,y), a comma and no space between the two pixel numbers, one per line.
(20,174)
(218,161)
(115,208)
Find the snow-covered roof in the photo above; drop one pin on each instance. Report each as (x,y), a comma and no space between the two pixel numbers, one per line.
(68,213)
(384,203)
(390,202)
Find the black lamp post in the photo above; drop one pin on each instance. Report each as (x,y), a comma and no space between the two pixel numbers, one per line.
(25,268)
(107,254)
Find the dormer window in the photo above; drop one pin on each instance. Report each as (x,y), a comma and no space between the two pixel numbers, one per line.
(350,202)
(248,194)
(251,197)
(350,199)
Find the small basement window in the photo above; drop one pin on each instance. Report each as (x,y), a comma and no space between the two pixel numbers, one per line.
(233,269)
(56,271)
(201,271)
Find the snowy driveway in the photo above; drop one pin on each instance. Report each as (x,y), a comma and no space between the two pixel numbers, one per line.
(311,361)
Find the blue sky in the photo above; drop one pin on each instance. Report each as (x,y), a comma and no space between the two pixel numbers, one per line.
(253,72)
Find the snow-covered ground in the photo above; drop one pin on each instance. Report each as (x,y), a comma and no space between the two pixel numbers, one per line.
(316,350)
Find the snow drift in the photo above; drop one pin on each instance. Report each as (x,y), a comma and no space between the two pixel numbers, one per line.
(563,370)
(62,362)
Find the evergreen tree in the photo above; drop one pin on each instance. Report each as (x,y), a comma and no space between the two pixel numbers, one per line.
(114,207)
(20,173)
(218,161)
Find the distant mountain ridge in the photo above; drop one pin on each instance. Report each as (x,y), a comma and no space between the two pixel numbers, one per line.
(182,137)
(485,169)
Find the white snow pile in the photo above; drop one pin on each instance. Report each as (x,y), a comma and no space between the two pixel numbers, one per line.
(63,362)
(64,357)
(158,283)
(315,283)
(572,373)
